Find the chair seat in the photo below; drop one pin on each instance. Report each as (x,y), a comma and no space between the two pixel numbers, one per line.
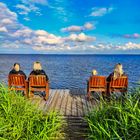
(97,89)
(37,88)
(17,89)
(97,86)
(118,89)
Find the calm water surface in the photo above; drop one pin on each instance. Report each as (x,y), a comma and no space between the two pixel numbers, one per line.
(72,71)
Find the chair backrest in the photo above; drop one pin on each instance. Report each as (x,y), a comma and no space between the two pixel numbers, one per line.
(37,80)
(121,82)
(97,81)
(16,80)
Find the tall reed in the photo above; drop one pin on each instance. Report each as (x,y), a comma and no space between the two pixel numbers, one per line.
(116,120)
(21,120)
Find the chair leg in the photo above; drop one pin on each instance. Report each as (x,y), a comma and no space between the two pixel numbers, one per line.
(31,94)
(25,93)
(108,92)
(47,94)
(89,95)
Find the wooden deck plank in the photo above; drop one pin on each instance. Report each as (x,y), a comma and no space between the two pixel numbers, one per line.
(51,94)
(56,97)
(49,101)
(89,105)
(42,104)
(51,105)
(82,107)
(36,100)
(59,100)
(74,106)
(79,106)
(56,101)
(64,102)
(85,105)
(69,102)
(94,102)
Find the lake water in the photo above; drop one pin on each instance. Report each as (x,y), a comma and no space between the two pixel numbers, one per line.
(72,71)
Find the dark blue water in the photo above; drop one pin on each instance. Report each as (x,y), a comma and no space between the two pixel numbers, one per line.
(72,71)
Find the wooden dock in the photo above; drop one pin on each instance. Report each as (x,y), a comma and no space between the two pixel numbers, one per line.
(73,106)
(69,103)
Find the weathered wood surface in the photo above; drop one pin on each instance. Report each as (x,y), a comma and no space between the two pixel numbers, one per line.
(69,103)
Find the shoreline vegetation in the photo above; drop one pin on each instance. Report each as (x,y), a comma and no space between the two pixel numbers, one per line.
(20,119)
(117,119)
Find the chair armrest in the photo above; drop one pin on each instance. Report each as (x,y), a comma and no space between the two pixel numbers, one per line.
(47,83)
(27,83)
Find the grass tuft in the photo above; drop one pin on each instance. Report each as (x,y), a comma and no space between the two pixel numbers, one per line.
(116,120)
(21,120)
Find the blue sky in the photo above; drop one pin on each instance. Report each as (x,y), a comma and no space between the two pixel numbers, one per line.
(70,26)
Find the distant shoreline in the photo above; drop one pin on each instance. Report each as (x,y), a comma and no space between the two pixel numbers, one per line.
(70,54)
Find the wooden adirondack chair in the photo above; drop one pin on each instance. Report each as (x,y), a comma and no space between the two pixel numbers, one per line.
(18,83)
(38,83)
(96,84)
(118,85)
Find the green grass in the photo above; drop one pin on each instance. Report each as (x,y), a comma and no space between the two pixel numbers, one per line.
(116,120)
(21,120)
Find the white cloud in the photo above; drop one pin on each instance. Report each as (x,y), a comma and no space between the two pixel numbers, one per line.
(51,48)
(75,28)
(24,35)
(49,40)
(41,2)
(6,13)
(97,12)
(72,37)
(128,46)
(27,18)
(41,33)
(27,41)
(6,21)
(3,29)
(98,48)
(110,47)
(29,6)
(72,28)
(80,38)
(25,32)
(89,26)
(26,9)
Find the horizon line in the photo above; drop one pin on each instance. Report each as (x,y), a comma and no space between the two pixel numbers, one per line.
(69,54)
